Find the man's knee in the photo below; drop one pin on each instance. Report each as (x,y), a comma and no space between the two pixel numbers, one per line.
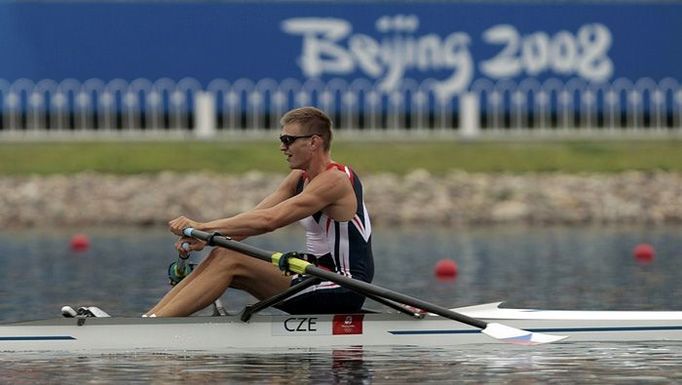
(228,260)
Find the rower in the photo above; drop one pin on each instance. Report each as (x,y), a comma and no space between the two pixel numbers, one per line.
(326,197)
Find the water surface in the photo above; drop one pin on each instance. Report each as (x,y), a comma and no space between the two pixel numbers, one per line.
(124,272)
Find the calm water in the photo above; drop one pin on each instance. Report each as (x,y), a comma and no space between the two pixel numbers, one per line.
(588,268)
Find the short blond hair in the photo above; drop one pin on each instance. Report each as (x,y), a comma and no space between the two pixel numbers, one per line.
(313,121)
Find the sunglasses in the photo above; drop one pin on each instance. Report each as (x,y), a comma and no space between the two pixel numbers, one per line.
(288,140)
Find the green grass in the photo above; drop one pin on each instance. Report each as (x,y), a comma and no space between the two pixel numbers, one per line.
(22,158)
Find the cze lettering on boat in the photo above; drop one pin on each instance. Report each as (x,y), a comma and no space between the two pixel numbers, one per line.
(301,325)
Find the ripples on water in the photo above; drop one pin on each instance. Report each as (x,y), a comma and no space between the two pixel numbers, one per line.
(586,268)
(604,363)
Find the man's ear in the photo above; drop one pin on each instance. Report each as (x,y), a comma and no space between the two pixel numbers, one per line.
(316,142)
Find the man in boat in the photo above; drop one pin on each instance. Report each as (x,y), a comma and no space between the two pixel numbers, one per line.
(324,196)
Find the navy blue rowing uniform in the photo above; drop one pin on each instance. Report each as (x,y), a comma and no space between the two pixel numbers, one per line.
(342,247)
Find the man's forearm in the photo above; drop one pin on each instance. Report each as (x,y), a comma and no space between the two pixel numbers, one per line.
(241,225)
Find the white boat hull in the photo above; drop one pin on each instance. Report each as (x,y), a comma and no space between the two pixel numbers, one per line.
(225,334)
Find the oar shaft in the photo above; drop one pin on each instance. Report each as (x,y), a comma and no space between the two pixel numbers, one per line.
(364,287)
(231,244)
(354,284)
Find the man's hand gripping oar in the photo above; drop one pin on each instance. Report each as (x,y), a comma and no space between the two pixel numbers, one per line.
(495,330)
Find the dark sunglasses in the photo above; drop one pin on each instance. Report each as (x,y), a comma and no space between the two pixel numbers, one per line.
(288,140)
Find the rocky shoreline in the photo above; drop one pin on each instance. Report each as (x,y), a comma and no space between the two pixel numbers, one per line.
(458,198)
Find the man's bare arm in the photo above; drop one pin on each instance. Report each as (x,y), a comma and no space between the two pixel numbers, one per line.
(285,190)
(326,189)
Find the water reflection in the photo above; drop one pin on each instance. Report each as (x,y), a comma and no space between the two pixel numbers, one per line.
(611,363)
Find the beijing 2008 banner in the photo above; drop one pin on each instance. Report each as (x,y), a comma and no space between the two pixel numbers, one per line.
(386,43)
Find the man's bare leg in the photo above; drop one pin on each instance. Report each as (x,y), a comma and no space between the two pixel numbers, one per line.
(179,287)
(221,269)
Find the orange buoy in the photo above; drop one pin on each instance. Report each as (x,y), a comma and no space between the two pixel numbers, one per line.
(80,242)
(446,269)
(644,253)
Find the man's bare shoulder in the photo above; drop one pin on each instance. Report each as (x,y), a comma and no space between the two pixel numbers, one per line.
(332,179)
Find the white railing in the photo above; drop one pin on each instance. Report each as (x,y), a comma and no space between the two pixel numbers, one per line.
(618,107)
(164,108)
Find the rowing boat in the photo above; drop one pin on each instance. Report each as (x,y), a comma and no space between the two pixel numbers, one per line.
(230,333)
(417,323)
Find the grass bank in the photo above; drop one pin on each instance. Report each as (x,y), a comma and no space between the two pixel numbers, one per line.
(23,158)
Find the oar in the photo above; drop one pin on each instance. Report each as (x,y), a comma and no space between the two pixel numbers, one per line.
(498,331)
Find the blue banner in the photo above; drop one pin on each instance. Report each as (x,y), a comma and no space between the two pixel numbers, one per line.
(384,44)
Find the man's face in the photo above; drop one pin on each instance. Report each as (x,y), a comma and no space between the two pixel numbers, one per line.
(295,146)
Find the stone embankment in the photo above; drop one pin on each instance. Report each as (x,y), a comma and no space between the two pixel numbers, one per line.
(457,198)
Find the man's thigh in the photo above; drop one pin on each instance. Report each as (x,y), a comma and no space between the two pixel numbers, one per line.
(325,301)
(259,278)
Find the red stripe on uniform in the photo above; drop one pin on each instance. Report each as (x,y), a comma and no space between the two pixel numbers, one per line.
(359,224)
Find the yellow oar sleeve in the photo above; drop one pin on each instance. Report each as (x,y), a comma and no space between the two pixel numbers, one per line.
(296,265)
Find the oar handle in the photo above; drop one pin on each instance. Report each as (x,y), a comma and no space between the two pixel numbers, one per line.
(179,269)
(182,259)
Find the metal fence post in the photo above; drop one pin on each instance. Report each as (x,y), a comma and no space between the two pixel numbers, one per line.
(205,113)
(469,115)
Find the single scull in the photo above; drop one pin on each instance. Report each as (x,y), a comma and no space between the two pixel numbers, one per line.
(422,324)
(230,333)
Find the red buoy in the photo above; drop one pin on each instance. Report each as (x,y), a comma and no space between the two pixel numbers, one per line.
(644,253)
(80,242)
(446,269)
